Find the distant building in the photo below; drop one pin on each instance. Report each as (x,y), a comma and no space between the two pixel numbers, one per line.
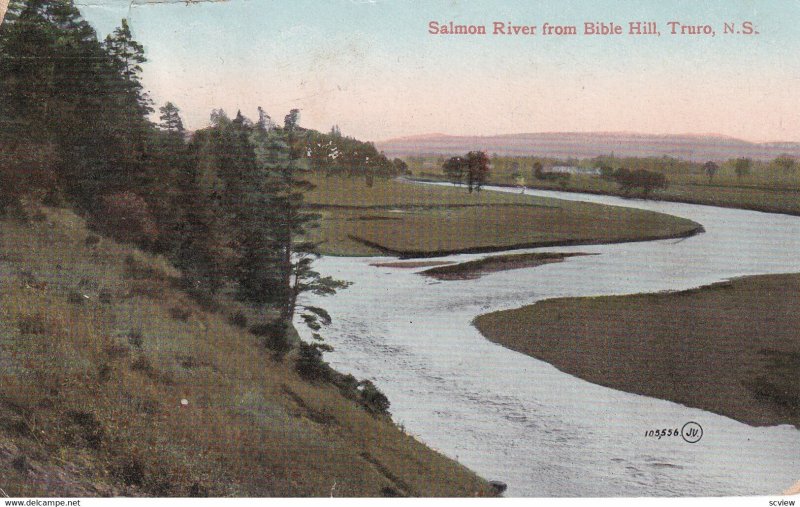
(568,169)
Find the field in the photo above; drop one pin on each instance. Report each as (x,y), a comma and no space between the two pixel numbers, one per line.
(765,189)
(113,382)
(758,195)
(737,341)
(411,220)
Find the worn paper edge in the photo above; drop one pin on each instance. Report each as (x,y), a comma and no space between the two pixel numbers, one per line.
(3,8)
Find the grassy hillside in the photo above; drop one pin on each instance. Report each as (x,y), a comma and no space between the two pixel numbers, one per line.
(113,382)
(413,220)
(737,341)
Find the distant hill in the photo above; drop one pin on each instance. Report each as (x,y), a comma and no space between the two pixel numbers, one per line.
(590,144)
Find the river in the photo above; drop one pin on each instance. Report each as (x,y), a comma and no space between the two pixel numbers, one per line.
(514,418)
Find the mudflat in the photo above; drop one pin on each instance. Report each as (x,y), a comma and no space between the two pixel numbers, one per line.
(475,269)
(732,348)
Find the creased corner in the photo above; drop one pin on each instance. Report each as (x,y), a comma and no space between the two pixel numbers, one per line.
(3,9)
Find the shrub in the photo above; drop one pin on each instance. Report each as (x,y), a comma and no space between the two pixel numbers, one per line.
(20,463)
(238,319)
(364,392)
(54,198)
(130,472)
(181,314)
(390,492)
(135,338)
(647,181)
(84,429)
(607,173)
(126,217)
(139,270)
(310,364)
(25,168)
(105,296)
(373,399)
(32,324)
(76,298)
(276,337)
(87,282)
(143,364)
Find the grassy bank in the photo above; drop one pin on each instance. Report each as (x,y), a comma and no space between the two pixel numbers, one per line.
(475,269)
(408,220)
(113,382)
(760,191)
(726,193)
(731,348)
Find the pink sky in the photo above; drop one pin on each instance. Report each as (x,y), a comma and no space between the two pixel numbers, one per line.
(373,68)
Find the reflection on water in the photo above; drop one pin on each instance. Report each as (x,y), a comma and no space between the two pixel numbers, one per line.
(517,419)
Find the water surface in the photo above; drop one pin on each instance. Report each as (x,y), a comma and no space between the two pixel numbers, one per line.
(511,417)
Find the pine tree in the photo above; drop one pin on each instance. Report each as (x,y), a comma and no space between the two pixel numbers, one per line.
(127,57)
(297,255)
(53,91)
(171,118)
(264,120)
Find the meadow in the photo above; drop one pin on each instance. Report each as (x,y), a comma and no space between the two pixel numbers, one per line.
(730,348)
(764,188)
(411,220)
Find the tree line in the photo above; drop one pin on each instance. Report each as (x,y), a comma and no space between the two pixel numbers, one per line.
(225,204)
(472,167)
(334,154)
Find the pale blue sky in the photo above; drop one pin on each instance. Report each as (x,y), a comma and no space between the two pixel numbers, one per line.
(373,68)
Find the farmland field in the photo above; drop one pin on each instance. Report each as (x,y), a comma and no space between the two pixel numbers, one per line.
(402,219)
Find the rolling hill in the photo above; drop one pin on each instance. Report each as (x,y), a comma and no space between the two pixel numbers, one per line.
(590,144)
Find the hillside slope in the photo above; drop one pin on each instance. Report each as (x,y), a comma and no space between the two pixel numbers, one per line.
(113,382)
(697,148)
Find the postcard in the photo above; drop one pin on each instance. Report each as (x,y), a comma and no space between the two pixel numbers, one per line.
(388,248)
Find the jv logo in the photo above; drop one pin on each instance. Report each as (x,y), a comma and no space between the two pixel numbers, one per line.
(692,432)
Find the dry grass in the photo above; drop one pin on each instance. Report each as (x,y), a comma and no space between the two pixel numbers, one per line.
(91,394)
(422,221)
(737,341)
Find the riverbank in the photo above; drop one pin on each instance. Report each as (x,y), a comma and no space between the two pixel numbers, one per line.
(683,189)
(396,218)
(731,348)
(113,382)
(767,200)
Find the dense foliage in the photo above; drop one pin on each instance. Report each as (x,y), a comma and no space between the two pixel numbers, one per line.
(473,167)
(225,203)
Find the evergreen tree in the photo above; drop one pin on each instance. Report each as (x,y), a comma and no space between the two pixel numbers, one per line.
(264,120)
(171,119)
(297,255)
(194,251)
(127,57)
(218,118)
(53,90)
(276,266)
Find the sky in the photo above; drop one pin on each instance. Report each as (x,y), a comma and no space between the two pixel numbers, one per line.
(373,68)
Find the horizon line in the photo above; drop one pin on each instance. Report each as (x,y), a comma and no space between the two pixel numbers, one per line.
(587,132)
